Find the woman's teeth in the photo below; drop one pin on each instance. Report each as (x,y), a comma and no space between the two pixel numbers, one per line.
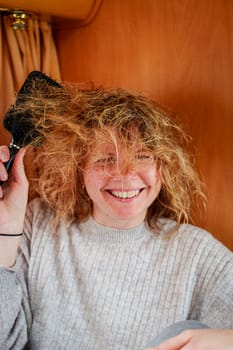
(125,194)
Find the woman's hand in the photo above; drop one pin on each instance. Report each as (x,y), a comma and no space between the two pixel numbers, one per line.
(199,339)
(13,193)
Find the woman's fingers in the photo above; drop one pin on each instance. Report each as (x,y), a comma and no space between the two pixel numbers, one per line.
(204,339)
(4,157)
(17,188)
(174,343)
(14,195)
(18,167)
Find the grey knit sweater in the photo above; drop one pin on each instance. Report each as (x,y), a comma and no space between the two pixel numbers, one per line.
(94,288)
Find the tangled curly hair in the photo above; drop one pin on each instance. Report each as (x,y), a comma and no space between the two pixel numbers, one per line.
(68,122)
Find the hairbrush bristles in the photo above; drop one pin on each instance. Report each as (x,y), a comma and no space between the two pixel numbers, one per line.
(20,122)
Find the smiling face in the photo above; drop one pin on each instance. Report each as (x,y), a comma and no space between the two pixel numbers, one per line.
(121,188)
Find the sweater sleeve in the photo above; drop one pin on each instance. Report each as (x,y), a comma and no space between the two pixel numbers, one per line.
(15,314)
(217,310)
(214,290)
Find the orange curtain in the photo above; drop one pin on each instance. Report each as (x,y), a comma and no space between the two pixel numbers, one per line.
(22,51)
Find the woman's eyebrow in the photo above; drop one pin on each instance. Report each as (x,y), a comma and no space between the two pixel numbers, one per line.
(140,150)
(104,154)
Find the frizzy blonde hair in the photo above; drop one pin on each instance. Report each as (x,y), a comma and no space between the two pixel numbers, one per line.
(68,122)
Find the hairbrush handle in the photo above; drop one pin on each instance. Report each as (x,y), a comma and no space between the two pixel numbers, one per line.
(14,149)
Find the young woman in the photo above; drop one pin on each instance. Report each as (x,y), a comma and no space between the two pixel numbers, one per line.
(108,257)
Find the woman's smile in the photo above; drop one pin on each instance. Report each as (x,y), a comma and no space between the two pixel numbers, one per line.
(124,195)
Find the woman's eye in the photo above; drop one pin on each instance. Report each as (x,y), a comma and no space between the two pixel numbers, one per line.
(144,156)
(105,161)
(102,160)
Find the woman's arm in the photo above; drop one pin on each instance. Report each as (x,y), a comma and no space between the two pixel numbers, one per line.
(14,301)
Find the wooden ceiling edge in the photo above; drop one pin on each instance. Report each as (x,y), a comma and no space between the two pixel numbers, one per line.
(90,11)
(96,5)
(61,23)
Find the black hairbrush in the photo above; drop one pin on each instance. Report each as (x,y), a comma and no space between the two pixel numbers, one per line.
(18,121)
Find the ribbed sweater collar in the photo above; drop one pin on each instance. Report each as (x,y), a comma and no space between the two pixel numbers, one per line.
(93,231)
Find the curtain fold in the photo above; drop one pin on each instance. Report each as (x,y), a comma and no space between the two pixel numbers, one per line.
(22,51)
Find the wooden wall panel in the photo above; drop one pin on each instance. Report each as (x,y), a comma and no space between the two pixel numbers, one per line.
(180,52)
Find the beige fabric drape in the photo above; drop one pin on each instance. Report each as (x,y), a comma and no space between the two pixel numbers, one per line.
(22,51)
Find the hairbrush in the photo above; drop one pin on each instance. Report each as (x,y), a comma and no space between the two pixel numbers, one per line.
(18,121)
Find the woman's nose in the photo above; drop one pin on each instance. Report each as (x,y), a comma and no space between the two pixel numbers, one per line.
(124,169)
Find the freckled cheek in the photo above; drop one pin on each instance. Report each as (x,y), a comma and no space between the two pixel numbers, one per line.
(93,180)
(153,177)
